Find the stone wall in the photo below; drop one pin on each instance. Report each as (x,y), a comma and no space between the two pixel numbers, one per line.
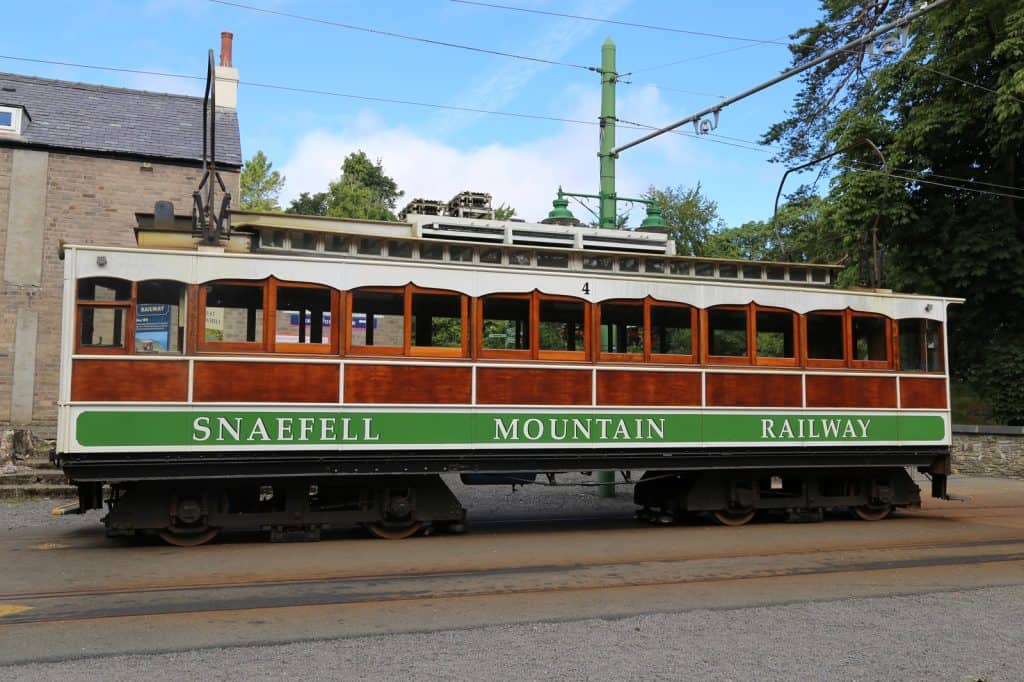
(996,451)
(89,200)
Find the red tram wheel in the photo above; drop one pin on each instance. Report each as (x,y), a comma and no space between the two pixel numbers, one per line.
(733,517)
(187,539)
(869,512)
(394,532)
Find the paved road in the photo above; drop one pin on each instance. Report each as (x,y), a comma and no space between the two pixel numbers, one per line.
(577,591)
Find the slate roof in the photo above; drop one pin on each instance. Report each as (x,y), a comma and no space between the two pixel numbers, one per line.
(99,118)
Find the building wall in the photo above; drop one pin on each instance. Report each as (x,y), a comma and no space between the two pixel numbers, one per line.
(89,200)
(996,451)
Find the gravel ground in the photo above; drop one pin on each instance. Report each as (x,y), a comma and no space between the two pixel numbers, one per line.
(971,635)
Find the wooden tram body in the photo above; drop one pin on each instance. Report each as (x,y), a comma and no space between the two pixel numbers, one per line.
(319,372)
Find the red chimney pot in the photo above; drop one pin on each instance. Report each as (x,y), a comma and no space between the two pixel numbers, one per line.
(225,48)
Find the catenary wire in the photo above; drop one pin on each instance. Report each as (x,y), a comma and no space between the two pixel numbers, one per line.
(403,36)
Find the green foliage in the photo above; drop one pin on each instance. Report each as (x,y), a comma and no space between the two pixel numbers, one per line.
(689,215)
(259,184)
(504,212)
(363,191)
(942,140)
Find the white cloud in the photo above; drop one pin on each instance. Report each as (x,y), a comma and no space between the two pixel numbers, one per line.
(523,175)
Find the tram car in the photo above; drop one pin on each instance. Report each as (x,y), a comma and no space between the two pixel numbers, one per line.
(314,373)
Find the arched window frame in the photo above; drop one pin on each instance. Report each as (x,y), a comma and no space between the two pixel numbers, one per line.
(407,348)
(795,330)
(128,322)
(535,352)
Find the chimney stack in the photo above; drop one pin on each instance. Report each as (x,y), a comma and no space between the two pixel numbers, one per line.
(225,75)
(225,47)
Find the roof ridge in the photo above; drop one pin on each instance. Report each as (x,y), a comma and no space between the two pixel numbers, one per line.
(92,86)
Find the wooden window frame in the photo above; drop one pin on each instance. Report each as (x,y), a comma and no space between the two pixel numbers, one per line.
(353,349)
(260,346)
(436,351)
(706,357)
(669,358)
(127,305)
(561,355)
(329,348)
(844,331)
(645,320)
(499,353)
(770,361)
(888,363)
(897,356)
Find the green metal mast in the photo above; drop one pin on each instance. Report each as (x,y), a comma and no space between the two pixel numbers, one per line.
(607,214)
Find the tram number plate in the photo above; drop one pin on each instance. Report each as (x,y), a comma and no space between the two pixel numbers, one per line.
(586,287)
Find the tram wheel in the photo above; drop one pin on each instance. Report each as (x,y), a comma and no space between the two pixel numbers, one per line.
(872,512)
(733,517)
(394,532)
(187,537)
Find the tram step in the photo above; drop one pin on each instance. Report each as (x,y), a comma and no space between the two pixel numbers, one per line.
(36,491)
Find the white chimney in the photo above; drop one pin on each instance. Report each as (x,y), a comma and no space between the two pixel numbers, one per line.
(225,76)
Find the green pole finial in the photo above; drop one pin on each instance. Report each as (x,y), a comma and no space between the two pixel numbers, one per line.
(561,211)
(653,218)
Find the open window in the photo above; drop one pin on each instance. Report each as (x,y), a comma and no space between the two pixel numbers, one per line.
(437,323)
(377,321)
(727,339)
(870,340)
(232,316)
(505,325)
(303,318)
(104,306)
(561,326)
(920,343)
(160,314)
(673,337)
(824,338)
(775,334)
(621,325)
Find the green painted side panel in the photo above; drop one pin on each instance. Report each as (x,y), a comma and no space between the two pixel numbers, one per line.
(204,427)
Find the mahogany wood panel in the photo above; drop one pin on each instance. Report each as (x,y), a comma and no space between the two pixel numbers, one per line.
(648,388)
(850,391)
(923,393)
(129,380)
(518,386)
(754,390)
(265,382)
(408,384)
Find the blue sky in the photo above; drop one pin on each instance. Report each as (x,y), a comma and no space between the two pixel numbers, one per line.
(436,153)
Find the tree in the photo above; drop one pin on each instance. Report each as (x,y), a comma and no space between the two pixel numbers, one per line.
(947,110)
(504,212)
(362,190)
(689,215)
(259,184)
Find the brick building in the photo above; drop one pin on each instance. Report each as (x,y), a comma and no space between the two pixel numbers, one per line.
(77,162)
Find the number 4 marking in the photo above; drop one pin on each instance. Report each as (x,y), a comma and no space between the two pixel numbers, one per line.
(586,287)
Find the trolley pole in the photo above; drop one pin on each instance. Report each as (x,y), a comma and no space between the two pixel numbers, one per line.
(607,213)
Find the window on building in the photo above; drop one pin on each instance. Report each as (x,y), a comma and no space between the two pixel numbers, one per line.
(622,328)
(825,336)
(727,332)
(671,330)
(775,334)
(104,304)
(160,310)
(505,323)
(870,340)
(233,313)
(302,318)
(378,319)
(437,320)
(561,325)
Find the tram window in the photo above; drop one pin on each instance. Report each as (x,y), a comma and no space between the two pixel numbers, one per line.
(920,345)
(629,264)
(304,240)
(561,325)
(460,254)
(337,244)
(519,258)
(819,275)
(431,251)
(397,249)
(797,275)
(728,270)
(490,255)
(101,327)
(751,272)
(727,332)
(234,313)
(704,269)
(160,317)
(869,338)
(275,239)
(552,260)
(437,320)
(774,334)
(378,318)
(506,323)
(303,315)
(368,246)
(681,268)
(825,336)
(622,328)
(597,263)
(776,272)
(104,289)
(656,266)
(671,330)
